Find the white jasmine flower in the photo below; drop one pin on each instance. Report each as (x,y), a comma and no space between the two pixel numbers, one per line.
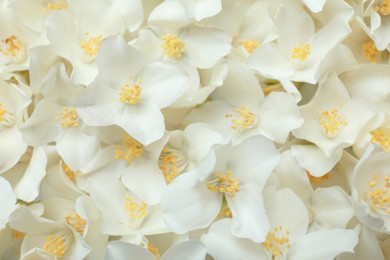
(193,200)
(130,93)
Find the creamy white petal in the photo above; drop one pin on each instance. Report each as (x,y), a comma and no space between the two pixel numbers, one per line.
(191,250)
(7,202)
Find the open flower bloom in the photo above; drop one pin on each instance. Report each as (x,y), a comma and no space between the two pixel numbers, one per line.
(194,199)
(130,93)
(333,123)
(186,150)
(191,250)
(123,212)
(13,105)
(57,233)
(287,238)
(300,50)
(241,110)
(370,187)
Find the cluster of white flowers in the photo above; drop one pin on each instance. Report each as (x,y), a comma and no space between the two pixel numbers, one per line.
(195,129)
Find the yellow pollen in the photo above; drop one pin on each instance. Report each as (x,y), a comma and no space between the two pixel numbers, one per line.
(154,250)
(130,95)
(225,184)
(91,45)
(68,117)
(301,52)
(246,118)
(3,111)
(136,211)
(379,197)
(54,6)
(316,180)
(68,171)
(14,46)
(168,164)
(55,245)
(277,242)
(225,211)
(383,8)
(17,234)
(172,46)
(129,151)
(331,122)
(370,51)
(381,136)
(251,45)
(77,222)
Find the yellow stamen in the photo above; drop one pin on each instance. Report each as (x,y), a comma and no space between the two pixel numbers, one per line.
(13,48)
(68,117)
(55,6)
(172,163)
(136,211)
(277,243)
(370,51)
(17,234)
(224,184)
(381,136)
(130,95)
(172,46)
(251,45)
(154,250)
(383,8)
(331,122)
(246,118)
(72,175)
(3,111)
(301,52)
(130,151)
(90,46)
(56,245)
(379,195)
(77,222)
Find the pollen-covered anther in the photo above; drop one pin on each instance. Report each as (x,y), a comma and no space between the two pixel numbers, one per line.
(244,119)
(77,222)
(72,175)
(55,6)
(90,46)
(68,117)
(224,184)
(383,8)
(381,136)
(331,122)
(379,195)
(12,47)
(172,46)
(370,51)
(130,94)
(57,245)
(277,242)
(250,45)
(154,250)
(172,162)
(136,211)
(129,151)
(301,52)
(17,234)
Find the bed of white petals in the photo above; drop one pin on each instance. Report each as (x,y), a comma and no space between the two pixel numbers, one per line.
(195,129)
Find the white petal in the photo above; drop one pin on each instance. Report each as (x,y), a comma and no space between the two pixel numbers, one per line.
(7,202)
(315,6)
(188,205)
(189,250)
(206,8)
(118,250)
(11,149)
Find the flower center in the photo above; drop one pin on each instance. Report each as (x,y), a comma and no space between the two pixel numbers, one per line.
(383,8)
(7,119)
(57,244)
(90,46)
(17,234)
(370,51)
(381,136)
(172,46)
(154,250)
(245,118)
(172,162)
(136,211)
(331,122)
(224,184)
(72,175)
(12,47)
(55,5)
(129,151)
(68,117)
(250,45)
(301,52)
(379,196)
(77,222)
(277,242)
(130,95)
